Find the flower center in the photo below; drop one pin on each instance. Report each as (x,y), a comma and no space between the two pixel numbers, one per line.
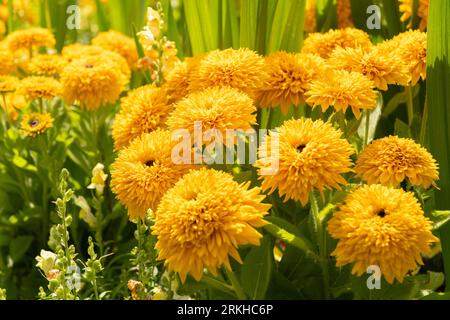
(150,163)
(89,66)
(381,213)
(300,148)
(34,123)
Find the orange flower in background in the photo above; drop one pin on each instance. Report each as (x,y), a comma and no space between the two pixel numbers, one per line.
(39,88)
(6,62)
(46,65)
(119,43)
(203,219)
(324,44)
(179,78)
(380,66)
(289,78)
(341,89)
(29,39)
(391,160)
(406,8)
(381,226)
(344,14)
(241,69)
(93,81)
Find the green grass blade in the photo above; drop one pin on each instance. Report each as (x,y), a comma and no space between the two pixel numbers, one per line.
(194,27)
(391,13)
(10,16)
(279,24)
(438,95)
(103,22)
(249,20)
(293,35)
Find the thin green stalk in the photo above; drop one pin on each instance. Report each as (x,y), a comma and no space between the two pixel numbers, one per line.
(7,115)
(322,241)
(424,124)
(367,128)
(41,105)
(236,285)
(219,285)
(410,104)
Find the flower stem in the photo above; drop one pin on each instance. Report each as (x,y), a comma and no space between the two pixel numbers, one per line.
(322,241)
(236,285)
(410,104)
(367,129)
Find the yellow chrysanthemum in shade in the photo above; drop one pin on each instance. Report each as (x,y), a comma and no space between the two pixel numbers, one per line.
(344,14)
(6,62)
(46,65)
(202,220)
(144,171)
(79,51)
(242,69)
(310,155)
(179,78)
(310,16)
(381,226)
(324,44)
(29,39)
(289,78)
(119,43)
(143,110)
(8,84)
(39,87)
(34,124)
(92,81)
(406,9)
(342,89)
(218,108)
(382,67)
(391,160)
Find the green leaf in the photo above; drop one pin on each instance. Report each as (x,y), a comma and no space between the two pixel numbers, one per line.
(296,241)
(19,246)
(437,296)
(257,270)
(391,13)
(438,98)
(440,218)
(249,18)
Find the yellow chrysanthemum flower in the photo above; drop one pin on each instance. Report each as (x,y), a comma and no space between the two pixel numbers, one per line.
(143,110)
(46,65)
(310,16)
(144,171)
(324,44)
(202,220)
(381,226)
(242,69)
(8,84)
(179,78)
(310,155)
(380,66)
(410,47)
(219,108)
(39,87)
(93,81)
(29,39)
(289,78)
(344,14)
(78,51)
(6,62)
(342,89)
(34,124)
(391,160)
(406,9)
(117,42)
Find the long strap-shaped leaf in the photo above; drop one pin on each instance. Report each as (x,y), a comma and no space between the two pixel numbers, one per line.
(438,95)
